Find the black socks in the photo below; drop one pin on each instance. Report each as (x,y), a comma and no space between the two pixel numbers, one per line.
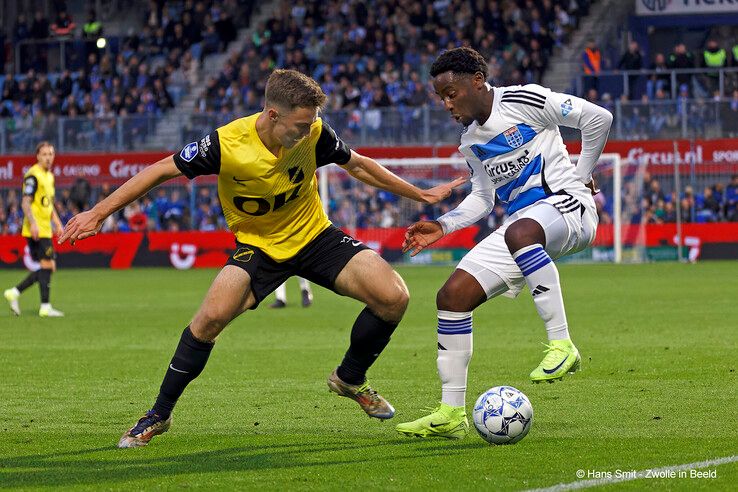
(44,284)
(188,362)
(369,336)
(28,281)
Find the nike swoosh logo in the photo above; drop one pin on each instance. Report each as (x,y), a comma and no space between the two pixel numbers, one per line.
(356,243)
(551,371)
(175,369)
(240,181)
(436,425)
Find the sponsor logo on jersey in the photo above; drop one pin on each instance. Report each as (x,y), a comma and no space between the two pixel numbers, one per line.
(204,145)
(189,151)
(513,137)
(243,254)
(566,107)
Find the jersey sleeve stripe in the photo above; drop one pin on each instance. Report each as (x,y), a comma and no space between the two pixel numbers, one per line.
(527,94)
(527,102)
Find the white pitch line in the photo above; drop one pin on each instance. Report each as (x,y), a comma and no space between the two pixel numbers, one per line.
(583,484)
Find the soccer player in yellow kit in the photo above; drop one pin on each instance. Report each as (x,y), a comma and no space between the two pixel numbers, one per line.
(38,216)
(266,165)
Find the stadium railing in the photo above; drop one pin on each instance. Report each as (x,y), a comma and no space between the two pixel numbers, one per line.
(395,126)
(622,82)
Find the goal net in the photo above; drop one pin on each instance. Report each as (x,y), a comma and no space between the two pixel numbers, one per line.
(379,219)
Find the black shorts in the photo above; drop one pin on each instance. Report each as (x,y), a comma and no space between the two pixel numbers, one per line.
(43,249)
(319,262)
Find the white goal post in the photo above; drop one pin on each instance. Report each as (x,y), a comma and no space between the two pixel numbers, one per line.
(431,170)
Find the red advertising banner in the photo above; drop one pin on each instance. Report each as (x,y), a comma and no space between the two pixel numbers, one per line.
(184,250)
(652,152)
(116,168)
(96,168)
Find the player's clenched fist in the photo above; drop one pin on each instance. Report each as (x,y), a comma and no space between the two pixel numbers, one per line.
(420,235)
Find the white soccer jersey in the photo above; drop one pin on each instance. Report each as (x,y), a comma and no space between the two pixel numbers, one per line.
(518,157)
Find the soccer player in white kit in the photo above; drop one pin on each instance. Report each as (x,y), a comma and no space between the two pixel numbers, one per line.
(515,154)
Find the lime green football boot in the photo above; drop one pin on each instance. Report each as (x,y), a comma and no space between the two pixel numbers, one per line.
(445,421)
(562,357)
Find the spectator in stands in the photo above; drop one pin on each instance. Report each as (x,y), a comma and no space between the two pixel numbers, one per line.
(632,60)
(21,31)
(136,218)
(729,113)
(80,193)
(681,58)
(63,25)
(731,197)
(591,65)
(713,57)
(93,28)
(40,26)
(660,80)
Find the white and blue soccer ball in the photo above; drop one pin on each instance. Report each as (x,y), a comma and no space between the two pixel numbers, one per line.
(503,415)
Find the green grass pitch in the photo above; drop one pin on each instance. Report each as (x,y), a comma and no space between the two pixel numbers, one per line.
(659,386)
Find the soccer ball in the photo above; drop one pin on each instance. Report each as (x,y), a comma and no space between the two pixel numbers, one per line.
(503,415)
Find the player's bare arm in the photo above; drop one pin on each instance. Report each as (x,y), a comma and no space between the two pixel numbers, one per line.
(56,221)
(369,171)
(26,206)
(88,223)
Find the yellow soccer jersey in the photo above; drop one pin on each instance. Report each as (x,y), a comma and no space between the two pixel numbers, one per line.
(38,183)
(268,201)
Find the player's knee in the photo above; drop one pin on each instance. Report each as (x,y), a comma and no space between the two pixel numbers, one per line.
(449,298)
(208,324)
(523,233)
(397,302)
(392,302)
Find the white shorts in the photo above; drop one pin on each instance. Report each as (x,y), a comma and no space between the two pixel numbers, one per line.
(570,223)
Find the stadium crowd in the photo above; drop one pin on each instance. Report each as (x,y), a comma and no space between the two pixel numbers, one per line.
(656,104)
(376,53)
(144,75)
(353,205)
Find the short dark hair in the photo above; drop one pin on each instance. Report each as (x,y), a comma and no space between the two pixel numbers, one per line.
(291,89)
(460,60)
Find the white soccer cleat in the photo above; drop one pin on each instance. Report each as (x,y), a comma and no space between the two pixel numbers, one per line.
(12,295)
(49,312)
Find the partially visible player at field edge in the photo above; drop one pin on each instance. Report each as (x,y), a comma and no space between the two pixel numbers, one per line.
(516,155)
(281,294)
(266,165)
(39,215)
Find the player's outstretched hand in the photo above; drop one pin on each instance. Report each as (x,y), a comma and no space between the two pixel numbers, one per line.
(421,235)
(81,226)
(438,193)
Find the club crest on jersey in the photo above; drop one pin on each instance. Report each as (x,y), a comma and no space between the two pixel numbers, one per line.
(566,107)
(243,254)
(189,152)
(513,137)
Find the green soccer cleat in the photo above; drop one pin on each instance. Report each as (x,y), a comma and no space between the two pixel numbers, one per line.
(49,312)
(445,421)
(562,357)
(11,295)
(369,400)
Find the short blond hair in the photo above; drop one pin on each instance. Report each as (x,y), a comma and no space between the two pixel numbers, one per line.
(43,144)
(290,89)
